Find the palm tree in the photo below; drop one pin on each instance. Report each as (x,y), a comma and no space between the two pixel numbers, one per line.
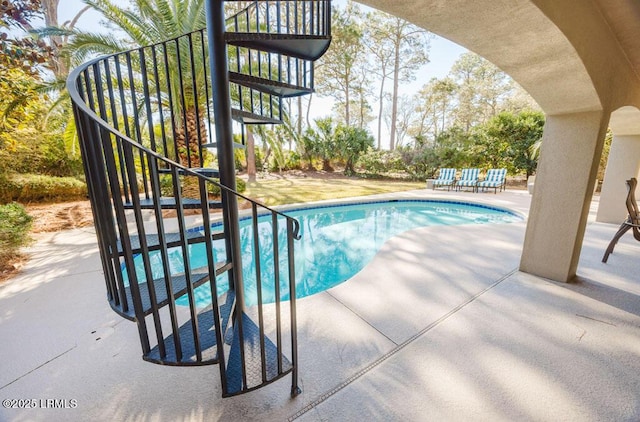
(148,22)
(183,77)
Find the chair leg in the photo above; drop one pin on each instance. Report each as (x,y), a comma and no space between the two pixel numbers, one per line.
(622,230)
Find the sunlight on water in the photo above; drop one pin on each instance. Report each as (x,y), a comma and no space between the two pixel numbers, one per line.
(337,242)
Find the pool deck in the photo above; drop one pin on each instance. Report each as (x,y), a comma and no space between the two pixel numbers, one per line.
(439,326)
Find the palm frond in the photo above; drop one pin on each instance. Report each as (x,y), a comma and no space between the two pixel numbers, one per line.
(85,44)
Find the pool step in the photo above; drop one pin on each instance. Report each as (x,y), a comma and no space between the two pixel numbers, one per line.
(190,350)
(254,360)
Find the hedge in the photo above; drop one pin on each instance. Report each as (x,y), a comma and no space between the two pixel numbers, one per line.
(40,188)
(14,230)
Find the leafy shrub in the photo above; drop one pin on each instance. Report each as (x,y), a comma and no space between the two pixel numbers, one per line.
(351,142)
(379,162)
(239,158)
(7,187)
(420,163)
(166,185)
(293,161)
(14,230)
(40,188)
(42,154)
(290,160)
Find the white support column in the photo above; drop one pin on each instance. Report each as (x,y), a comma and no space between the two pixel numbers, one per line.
(623,163)
(571,148)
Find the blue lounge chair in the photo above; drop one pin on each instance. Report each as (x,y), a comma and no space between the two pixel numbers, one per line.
(496,179)
(446,177)
(468,178)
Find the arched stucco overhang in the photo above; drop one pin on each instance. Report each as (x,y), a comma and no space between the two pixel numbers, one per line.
(515,36)
(569,59)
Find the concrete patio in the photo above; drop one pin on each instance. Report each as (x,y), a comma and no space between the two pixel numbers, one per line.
(439,326)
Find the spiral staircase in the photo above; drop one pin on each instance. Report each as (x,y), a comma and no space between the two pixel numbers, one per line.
(156,127)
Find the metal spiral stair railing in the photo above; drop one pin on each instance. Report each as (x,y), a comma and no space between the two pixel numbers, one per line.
(145,120)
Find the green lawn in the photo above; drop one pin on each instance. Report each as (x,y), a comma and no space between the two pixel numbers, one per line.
(308,189)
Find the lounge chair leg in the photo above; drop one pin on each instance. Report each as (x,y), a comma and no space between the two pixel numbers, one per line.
(622,230)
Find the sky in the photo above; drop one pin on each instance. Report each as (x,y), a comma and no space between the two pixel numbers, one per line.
(442,55)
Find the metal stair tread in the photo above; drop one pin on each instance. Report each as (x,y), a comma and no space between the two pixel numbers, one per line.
(208,172)
(215,145)
(253,359)
(249,118)
(208,341)
(308,47)
(269,86)
(168,203)
(171,239)
(179,288)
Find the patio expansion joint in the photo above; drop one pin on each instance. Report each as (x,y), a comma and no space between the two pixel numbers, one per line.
(39,366)
(397,349)
(361,318)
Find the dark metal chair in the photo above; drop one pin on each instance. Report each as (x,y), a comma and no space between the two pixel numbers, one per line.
(631,223)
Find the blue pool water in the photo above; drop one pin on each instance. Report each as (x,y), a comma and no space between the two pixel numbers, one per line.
(337,242)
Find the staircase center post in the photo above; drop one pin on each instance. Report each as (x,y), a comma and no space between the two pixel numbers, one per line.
(224,140)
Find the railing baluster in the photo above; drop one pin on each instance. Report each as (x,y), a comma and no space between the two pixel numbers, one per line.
(257,20)
(276,286)
(206,83)
(114,118)
(156,77)
(184,245)
(147,99)
(172,106)
(196,100)
(260,96)
(291,234)
(136,116)
(287,18)
(125,118)
(213,283)
(144,248)
(164,256)
(267,16)
(304,17)
(184,126)
(256,259)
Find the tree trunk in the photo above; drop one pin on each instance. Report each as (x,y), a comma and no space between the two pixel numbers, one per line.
(299,128)
(251,157)
(308,109)
(188,141)
(346,107)
(58,66)
(380,109)
(394,98)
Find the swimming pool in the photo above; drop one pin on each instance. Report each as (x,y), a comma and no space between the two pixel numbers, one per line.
(337,242)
